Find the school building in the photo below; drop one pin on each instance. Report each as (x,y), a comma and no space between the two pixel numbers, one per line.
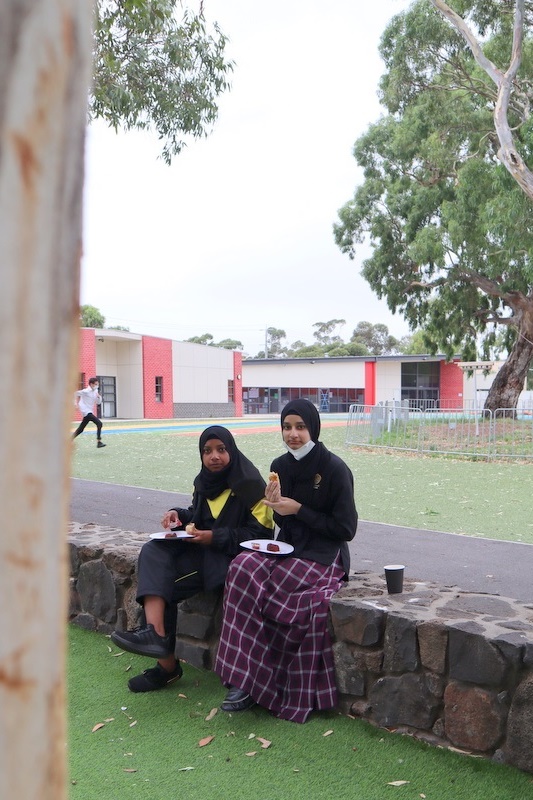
(148,377)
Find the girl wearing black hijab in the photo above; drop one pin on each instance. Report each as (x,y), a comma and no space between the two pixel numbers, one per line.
(274,647)
(227,508)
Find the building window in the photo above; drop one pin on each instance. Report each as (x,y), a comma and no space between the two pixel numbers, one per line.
(231,392)
(420,383)
(159,389)
(81,382)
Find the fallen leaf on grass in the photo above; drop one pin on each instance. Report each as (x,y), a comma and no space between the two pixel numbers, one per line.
(254,753)
(397,783)
(203,742)
(98,726)
(182,695)
(133,723)
(109,719)
(117,654)
(264,742)
(129,770)
(327,733)
(212,713)
(423,796)
(185,769)
(251,735)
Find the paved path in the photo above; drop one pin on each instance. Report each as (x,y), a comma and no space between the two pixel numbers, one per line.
(472,564)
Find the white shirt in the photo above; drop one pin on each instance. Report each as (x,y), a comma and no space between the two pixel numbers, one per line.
(86,400)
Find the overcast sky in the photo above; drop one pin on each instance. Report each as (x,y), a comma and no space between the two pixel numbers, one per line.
(236,235)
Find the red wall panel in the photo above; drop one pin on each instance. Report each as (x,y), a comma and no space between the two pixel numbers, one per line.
(157,362)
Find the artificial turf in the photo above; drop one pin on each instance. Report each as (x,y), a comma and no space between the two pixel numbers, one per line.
(148,746)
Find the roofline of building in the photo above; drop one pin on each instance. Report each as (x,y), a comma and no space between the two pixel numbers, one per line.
(344,359)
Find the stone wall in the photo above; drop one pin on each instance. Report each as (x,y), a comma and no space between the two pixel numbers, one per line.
(454,668)
(103,587)
(451,667)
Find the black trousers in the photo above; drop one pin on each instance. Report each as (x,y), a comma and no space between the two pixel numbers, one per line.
(170,569)
(83,424)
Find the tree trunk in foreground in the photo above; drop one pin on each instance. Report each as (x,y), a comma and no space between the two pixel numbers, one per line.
(45,63)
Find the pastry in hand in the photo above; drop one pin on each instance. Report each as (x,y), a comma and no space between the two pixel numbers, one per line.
(273,476)
(190,528)
(272,547)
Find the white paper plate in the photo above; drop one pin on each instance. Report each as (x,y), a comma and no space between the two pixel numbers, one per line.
(178,535)
(284,548)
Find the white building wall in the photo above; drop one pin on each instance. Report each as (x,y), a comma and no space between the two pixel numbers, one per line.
(388,381)
(481,382)
(287,374)
(123,361)
(200,373)
(130,403)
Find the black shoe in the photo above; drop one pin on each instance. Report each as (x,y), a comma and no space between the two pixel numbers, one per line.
(144,641)
(237,700)
(156,678)
(100,444)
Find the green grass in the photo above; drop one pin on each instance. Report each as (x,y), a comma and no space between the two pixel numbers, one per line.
(148,747)
(474,498)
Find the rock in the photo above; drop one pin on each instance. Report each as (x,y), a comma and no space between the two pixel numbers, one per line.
(518,747)
(474,718)
(403,700)
(433,644)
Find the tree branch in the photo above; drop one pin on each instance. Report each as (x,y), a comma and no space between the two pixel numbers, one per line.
(508,154)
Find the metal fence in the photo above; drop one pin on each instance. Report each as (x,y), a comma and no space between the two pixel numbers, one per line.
(506,433)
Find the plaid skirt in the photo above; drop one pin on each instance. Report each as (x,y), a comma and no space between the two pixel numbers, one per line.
(275,643)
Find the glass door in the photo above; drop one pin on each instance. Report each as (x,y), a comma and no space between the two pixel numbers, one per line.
(108,390)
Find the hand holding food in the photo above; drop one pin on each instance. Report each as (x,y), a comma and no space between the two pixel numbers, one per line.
(171,519)
(197,536)
(273,488)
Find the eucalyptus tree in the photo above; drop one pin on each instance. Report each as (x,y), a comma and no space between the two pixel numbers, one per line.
(45,66)
(375,338)
(444,202)
(91,317)
(325,331)
(157,65)
(230,344)
(205,338)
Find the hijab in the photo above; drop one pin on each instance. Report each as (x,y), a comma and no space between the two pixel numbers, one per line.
(307,411)
(240,475)
(307,466)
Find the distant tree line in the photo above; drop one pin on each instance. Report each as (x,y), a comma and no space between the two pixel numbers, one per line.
(91,317)
(366,339)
